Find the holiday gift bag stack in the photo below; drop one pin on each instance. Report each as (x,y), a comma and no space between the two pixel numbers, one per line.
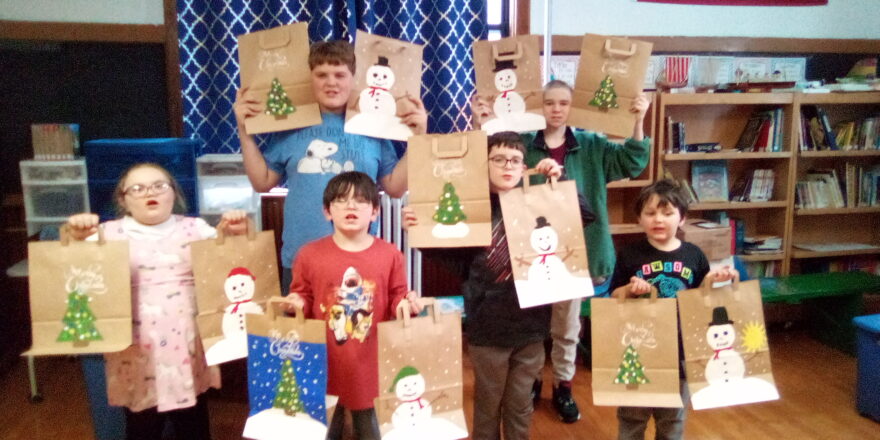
(610,76)
(274,66)
(635,351)
(420,376)
(287,376)
(508,76)
(80,296)
(448,190)
(388,72)
(235,276)
(725,345)
(545,238)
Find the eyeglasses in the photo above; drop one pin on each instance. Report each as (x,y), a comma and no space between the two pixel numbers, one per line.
(156,188)
(501,161)
(359,202)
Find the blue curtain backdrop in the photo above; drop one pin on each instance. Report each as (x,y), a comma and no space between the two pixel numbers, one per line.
(209,54)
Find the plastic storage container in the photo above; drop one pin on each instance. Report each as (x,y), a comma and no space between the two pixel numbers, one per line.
(223,186)
(107,159)
(53,191)
(868,376)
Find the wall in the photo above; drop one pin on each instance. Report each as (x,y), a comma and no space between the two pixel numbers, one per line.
(84,11)
(839,19)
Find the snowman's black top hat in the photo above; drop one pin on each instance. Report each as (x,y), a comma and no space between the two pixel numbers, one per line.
(383,61)
(503,64)
(719,316)
(541,222)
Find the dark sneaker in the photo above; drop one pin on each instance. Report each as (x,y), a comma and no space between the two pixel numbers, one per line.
(536,391)
(565,404)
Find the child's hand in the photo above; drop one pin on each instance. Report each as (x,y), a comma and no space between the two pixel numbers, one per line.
(292,302)
(417,118)
(409,217)
(82,225)
(235,222)
(415,302)
(549,168)
(638,286)
(722,274)
(640,105)
(246,105)
(480,109)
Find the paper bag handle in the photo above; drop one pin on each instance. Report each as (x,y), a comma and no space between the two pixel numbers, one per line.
(533,172)
(402,312)
(272,313)
(221,235)
(706,289)
(620,294)
(389,47)
(620,52)
(274,39)
(64,235)
(515,55)
(449,154)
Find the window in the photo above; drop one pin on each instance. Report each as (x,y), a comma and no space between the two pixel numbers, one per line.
(498,18)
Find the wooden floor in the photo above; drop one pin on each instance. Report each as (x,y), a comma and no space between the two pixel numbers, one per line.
(817,385)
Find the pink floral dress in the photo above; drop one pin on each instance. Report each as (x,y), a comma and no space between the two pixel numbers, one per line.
(165,365)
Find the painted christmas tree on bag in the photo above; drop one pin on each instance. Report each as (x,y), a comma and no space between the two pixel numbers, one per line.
(79,321)
(631,371)
(287,391)
(449,215)
(606,96)
(278,103)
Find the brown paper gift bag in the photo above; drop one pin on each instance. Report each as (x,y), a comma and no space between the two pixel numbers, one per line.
(234,276)
(280,53)
(420,376)
(80,294)
(545,237)
(449,190)
(610,76)
(287,376)
(635,352)
(388,71)
(508,76)
(725,345)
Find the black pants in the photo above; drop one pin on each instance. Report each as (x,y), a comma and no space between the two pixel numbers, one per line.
(187,423)
(364,422)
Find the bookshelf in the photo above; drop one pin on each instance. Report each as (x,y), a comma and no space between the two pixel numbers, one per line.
(834,232)
(851,231)
(722,118)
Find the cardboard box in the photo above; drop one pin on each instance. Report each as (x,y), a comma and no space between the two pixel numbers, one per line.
(713,241)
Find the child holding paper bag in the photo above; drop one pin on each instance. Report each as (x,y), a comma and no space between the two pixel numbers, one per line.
(671,265)
(160,376)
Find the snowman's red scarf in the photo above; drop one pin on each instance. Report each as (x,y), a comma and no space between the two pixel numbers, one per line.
(238,303)
(717,352)
(417,400)
(373,90)
(544,257)
(504,93)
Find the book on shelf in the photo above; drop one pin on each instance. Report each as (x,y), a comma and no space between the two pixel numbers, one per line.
(860,134)
(709,180)
(762,269)
(763,132)
(756,186)
(824,186)
(868,264)
(674,136)
(817,133)
(688,191)
(762,245)
(835,247)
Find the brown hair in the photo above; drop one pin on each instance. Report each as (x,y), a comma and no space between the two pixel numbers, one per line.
(337,52)
(668,192)
(119,191)
(558,84)
(341,184)
(507,139)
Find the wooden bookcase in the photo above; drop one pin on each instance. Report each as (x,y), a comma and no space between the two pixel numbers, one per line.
(722,117)
(852,224)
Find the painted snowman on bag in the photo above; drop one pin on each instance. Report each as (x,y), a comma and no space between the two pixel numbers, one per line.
(239,287)
(509,103)
(413,410)
(726,365)
(376,97)
(547,267)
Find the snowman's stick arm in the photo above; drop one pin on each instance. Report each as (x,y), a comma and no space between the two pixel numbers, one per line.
(442,395)
(568,252)
(521,261)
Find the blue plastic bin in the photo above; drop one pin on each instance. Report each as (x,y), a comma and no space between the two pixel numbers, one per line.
(107,159)
(868,376)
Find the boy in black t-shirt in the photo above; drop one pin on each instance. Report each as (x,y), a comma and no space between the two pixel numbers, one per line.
(671,265)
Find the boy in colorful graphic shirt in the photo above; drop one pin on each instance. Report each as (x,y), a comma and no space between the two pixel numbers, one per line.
(669,264)
(351,279)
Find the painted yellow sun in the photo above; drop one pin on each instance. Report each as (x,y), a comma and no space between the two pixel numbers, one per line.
(754,337)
